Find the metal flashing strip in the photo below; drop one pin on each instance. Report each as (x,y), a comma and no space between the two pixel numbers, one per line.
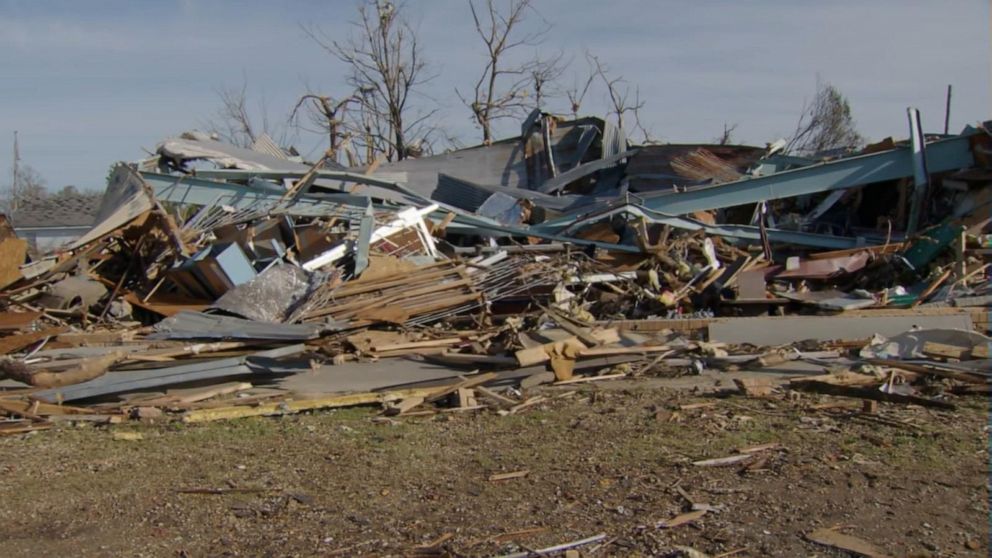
(133,380)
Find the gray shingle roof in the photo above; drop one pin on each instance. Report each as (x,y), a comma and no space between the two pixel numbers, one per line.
(58,210)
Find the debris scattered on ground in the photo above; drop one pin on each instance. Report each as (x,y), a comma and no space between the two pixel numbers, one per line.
(267,286)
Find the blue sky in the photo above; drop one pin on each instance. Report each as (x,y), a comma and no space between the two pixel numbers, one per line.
(90,83)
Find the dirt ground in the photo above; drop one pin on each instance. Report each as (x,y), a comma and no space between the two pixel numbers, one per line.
(913,481)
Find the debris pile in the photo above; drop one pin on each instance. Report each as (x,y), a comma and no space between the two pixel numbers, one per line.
(223,282)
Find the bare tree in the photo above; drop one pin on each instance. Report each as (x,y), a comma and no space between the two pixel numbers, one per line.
(329,116)
(727,136)
(545,74)
(619,94)
(577,93)
(386,68)
(825,125)
(502,89)
(28,184)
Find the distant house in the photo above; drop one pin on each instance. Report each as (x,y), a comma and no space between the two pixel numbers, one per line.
(53,221)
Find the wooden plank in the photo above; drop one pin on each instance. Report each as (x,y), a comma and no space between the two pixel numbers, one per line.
(404,406)
(528,403)
(466,382)
(867,393)
(724,461)
(537,379)
(18,320)
(289,407)
(508,476)
(587,379)
(542,353)
(442,343)
(13,343)
(944,350)
(12,252)
(681,519)
(935,370)
(486,392)
(848,543)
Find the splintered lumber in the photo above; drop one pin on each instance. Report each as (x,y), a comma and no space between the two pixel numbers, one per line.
(932,287)
(542,353)
(404,406)
(13,343)
(290,407)
(841,378)
(724,461)
(944,350)
(10,431)
(507,476)
(680,519)
(590,336)
(586,379)
(936,370)
(400,296)
(755,387)
(867,393)
(21,406)
(466,382)
(430,343)
(557,548)
(12,252)
(535,380)
(528,403)
(486,392)
(167,354)
(466,399)
(215,391)
(612,351)
(848,543)
(13,321)
(190,396)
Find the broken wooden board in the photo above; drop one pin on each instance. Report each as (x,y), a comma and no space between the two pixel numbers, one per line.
(290,407)
(756,387)
(508,476)
(944,350)
(13,343)
(868,393)
(848,543)
(681,519)
(12,321)
(12,252)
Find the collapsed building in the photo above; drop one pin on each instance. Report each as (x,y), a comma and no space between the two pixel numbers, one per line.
(563,251)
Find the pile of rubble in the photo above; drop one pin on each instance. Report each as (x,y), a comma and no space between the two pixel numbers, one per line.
(224,282)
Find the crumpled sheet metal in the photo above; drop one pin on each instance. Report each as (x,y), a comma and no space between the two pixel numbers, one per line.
(196,325)
(182,373)
(272,295)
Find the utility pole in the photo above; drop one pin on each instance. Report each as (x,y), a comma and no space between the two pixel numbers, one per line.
(947,111)
(16,178)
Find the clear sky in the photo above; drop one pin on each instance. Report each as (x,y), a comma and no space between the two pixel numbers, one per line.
(90,83)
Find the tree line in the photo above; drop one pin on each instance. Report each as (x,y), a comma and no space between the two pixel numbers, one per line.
(375,116)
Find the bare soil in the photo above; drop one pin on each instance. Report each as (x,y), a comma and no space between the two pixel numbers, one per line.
(914,482)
